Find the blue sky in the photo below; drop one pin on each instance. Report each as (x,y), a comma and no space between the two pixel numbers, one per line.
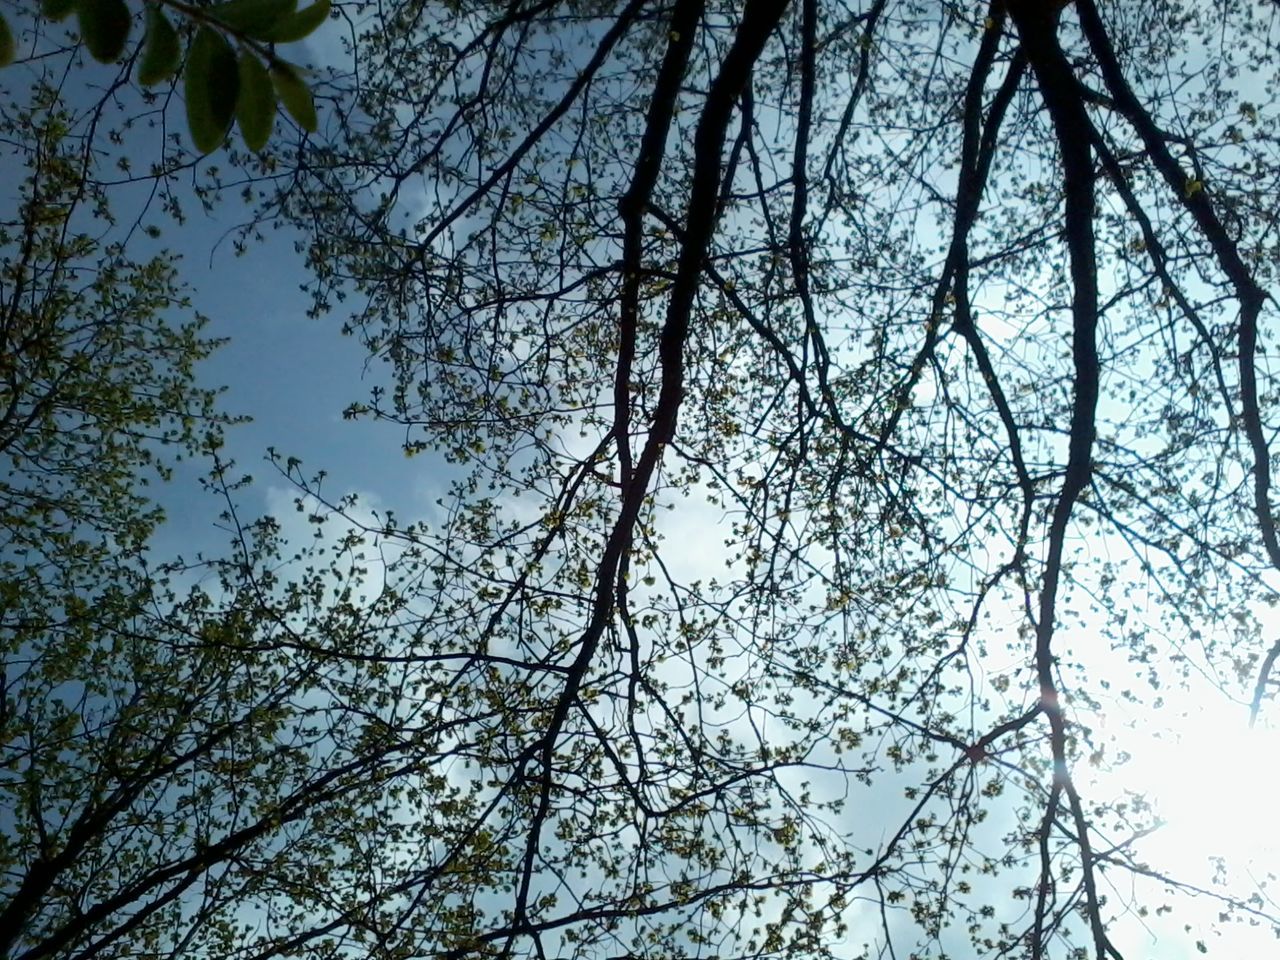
(292,374)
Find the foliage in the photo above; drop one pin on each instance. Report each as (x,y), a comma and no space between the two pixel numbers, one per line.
(172,757)
(97,389)
(848,407)
(216,91)
(172,740)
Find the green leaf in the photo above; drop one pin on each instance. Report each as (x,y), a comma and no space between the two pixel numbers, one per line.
(295,95)
(212,84)
(301,24)
(104,25)
(256,105)
(57,9)
(160,50)
(8,48)
(254,18)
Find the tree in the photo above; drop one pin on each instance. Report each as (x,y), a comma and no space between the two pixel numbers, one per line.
(943,325)
(952,313)
(166,750)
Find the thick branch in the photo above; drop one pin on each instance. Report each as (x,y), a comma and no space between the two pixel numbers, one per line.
(1037,28)
(1198,201)
(759,20)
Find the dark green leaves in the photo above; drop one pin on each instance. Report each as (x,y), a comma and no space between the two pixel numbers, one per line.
(104,26)
(256,106)
(300,24)
(219,88)
(294,95)
(253,18)
(160,50)
(57,9)
(271,21)
(7,45)
(212,86)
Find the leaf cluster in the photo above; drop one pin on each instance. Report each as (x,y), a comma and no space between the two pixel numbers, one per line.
(220,85)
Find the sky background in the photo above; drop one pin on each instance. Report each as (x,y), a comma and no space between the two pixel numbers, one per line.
(294,375)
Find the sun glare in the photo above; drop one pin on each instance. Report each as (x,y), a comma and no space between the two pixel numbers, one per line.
(1212,781)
